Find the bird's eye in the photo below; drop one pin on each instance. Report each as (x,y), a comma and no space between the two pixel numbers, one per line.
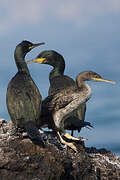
(48,54)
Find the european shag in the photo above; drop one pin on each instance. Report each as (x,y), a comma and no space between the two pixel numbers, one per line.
(59,81)
(23,97)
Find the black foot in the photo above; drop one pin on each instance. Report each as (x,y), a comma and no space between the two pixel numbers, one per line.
(34,134)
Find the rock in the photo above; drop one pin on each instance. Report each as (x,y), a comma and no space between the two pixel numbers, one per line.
(20,159)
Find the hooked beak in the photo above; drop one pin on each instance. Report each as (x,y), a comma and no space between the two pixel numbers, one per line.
(103,80)
(35,45)
(39,60)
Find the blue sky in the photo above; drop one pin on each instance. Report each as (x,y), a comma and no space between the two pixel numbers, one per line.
(86,33)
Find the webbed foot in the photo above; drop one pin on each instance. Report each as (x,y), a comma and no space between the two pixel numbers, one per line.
(68,136)
(71,145)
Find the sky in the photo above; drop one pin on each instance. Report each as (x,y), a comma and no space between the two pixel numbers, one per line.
(87,34)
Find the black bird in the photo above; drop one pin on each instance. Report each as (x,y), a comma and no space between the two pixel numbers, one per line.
(23,97)
(59,81)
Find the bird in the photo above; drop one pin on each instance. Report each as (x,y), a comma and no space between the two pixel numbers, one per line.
(60,105)
(59,81)
(23,98)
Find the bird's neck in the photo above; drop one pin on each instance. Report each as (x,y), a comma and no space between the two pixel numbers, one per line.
(85,89)
(56,72)
(21,64)
(80,84)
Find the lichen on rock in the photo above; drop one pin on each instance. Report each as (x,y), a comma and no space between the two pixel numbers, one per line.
(21,159)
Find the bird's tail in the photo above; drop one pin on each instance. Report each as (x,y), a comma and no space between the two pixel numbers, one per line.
(86,124)
(73,123)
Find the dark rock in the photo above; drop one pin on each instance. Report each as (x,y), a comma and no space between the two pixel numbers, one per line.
(20,159)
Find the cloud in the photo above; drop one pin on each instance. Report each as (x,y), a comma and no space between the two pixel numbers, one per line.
(21,12)
(84,12)
(14,13)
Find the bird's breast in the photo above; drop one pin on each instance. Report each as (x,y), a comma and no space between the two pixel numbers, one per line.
(81,97)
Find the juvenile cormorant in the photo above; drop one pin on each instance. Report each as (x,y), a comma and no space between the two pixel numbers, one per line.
(59,81)
(23,97)
(68,100)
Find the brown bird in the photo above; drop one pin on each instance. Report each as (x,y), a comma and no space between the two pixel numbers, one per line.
(61,104)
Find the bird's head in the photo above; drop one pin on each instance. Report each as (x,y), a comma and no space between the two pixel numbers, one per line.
(25,46)
(49,57)
(91,76)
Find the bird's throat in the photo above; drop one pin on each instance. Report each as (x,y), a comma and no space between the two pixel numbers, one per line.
(54,73)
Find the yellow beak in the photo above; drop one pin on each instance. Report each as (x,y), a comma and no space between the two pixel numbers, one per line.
(103,80)
(39,60)
(35,45)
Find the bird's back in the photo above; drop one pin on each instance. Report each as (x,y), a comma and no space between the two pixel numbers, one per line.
(59,83)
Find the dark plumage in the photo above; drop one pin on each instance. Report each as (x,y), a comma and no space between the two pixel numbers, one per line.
(23,97)
(59,81)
